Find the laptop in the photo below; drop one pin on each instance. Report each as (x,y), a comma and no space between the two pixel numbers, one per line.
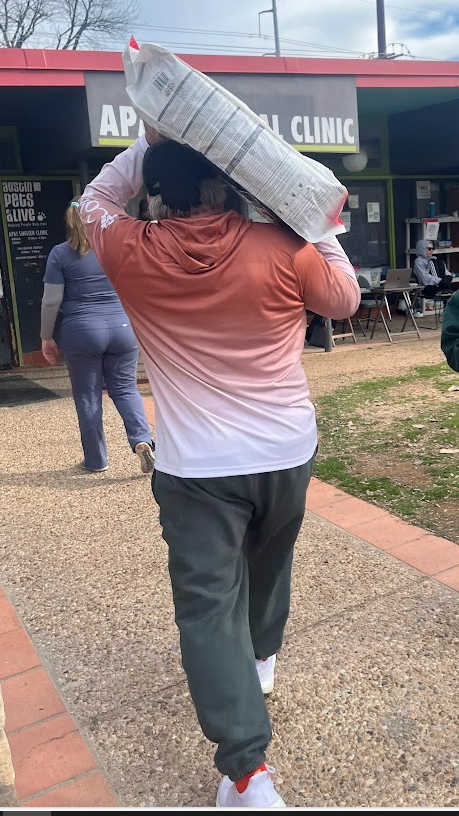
(397,279)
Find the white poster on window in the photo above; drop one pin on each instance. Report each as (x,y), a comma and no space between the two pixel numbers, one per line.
(373,212)
(423,189)
(346,219)
(353,202)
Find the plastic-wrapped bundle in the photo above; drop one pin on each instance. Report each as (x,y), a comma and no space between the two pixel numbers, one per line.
(185,105)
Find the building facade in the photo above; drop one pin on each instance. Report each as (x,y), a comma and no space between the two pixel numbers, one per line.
(386,128)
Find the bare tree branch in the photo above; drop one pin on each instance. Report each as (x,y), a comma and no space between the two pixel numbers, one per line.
(19,19)
(74,22)
(107,18)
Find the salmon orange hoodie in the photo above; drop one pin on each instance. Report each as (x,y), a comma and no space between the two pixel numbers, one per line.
(218,306)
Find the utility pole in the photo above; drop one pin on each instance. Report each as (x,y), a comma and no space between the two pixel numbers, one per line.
(381,20)
(276,29)
(272,11)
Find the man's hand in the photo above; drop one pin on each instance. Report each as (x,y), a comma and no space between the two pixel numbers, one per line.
(50,352)
(152,136)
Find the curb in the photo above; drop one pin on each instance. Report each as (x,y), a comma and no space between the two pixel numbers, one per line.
(52,762)
(430,555)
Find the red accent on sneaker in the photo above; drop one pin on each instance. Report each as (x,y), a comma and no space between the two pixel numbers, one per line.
(243,784)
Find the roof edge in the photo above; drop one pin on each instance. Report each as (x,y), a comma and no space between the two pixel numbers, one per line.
(23,59)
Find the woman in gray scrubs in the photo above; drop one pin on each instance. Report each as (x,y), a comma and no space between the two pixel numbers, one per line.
(97,342)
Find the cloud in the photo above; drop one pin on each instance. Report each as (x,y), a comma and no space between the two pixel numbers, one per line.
(328,27)
(432,33)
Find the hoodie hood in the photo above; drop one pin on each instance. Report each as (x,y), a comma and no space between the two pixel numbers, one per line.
(421,247)
(201,242)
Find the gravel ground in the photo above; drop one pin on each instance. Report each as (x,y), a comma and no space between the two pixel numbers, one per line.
(365,705)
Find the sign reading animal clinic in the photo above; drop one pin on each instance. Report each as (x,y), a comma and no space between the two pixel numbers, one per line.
(312,113)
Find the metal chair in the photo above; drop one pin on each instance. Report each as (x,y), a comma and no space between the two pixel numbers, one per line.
(440,300)
(344,334)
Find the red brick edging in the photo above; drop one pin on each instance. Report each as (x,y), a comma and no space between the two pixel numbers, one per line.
(431,555)
(54,767)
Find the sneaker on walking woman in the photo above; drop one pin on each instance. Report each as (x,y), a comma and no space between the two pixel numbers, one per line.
(147,457)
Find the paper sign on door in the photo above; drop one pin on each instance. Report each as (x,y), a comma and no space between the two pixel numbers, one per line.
(373,212)
(346,219)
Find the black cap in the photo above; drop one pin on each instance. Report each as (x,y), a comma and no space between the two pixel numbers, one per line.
(175,172)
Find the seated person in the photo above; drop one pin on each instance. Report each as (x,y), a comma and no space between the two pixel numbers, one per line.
(430,272)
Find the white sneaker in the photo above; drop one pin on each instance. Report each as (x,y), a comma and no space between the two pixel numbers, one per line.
(265,669)
(94,470)
(147,457)
(259,793)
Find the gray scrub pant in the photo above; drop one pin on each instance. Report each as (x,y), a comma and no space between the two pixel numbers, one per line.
(99,350)
(231,543)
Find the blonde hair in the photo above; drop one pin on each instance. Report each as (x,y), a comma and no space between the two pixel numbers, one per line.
(213,196)
(75,232)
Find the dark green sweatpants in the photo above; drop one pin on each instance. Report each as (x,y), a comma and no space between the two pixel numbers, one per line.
(231,543)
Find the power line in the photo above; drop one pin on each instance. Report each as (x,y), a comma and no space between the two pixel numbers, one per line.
(304,44)
(319,51)
(223,50)
(331,49)
(305,48)
(245,34)
(249,49)
(411,10)
(147,26)
(325,49)
(309,50)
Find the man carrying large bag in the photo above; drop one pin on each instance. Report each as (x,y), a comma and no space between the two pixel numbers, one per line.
(218,306)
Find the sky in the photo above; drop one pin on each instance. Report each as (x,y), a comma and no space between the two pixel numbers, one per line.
(341,28)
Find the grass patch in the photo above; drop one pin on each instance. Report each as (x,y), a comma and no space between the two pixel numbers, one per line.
(380,440)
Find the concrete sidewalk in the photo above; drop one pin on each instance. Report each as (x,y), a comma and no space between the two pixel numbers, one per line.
(97,707)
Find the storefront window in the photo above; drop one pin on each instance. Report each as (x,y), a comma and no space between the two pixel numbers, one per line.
(10,161)
(365,216)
